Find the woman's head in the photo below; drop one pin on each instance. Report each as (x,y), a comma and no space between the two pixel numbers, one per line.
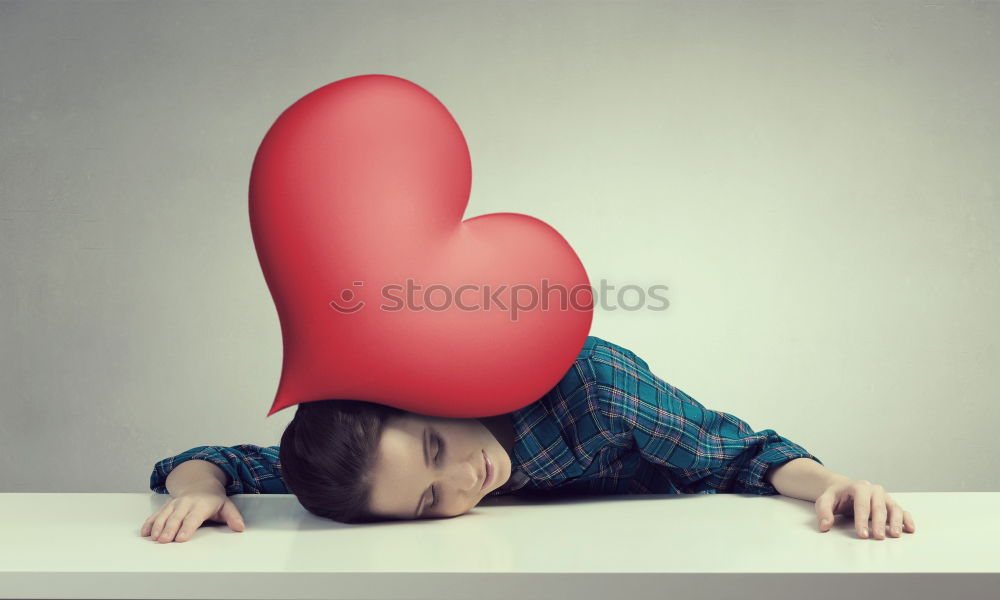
(356,462)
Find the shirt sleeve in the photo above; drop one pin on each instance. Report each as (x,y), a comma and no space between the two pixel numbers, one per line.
(249,469)
(704,451)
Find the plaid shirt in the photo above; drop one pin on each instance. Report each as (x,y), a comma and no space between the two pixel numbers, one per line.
(610,426)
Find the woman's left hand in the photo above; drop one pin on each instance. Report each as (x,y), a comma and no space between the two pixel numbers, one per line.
(863,499)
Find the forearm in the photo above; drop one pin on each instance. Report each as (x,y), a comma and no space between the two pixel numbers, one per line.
(802,478)
(195,475)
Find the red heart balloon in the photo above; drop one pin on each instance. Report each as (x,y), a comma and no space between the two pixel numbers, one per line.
(383,292)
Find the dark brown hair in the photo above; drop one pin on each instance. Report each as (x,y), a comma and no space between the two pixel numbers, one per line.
(327,454)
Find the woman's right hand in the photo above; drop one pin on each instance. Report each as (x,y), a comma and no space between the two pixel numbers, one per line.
(182,515)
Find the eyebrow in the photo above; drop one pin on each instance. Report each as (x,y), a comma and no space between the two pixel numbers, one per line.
(416,511)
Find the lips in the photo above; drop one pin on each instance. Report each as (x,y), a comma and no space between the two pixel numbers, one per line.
(487,469)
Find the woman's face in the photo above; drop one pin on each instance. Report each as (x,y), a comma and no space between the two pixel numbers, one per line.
(449,483)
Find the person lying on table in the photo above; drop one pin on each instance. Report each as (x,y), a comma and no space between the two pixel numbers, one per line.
(610,426)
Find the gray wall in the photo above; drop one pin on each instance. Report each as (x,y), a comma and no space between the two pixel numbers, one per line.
(817,184)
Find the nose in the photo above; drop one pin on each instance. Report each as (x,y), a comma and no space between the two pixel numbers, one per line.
(466,476)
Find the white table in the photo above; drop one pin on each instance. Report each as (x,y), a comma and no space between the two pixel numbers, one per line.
(650,546)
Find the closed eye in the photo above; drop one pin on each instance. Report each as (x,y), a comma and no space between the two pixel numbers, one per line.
(437,461)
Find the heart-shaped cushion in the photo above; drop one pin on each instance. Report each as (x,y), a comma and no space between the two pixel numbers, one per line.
(383,292)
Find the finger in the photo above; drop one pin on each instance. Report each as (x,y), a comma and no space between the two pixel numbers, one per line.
(862,508)
(824,511)
(171,526)
(161,518)
(191,523)
(147,525)
(231,515)
(237,524)
(895,520)
(878,513)
(908,522)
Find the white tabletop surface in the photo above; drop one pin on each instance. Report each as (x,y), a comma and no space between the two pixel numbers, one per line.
(642,546)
